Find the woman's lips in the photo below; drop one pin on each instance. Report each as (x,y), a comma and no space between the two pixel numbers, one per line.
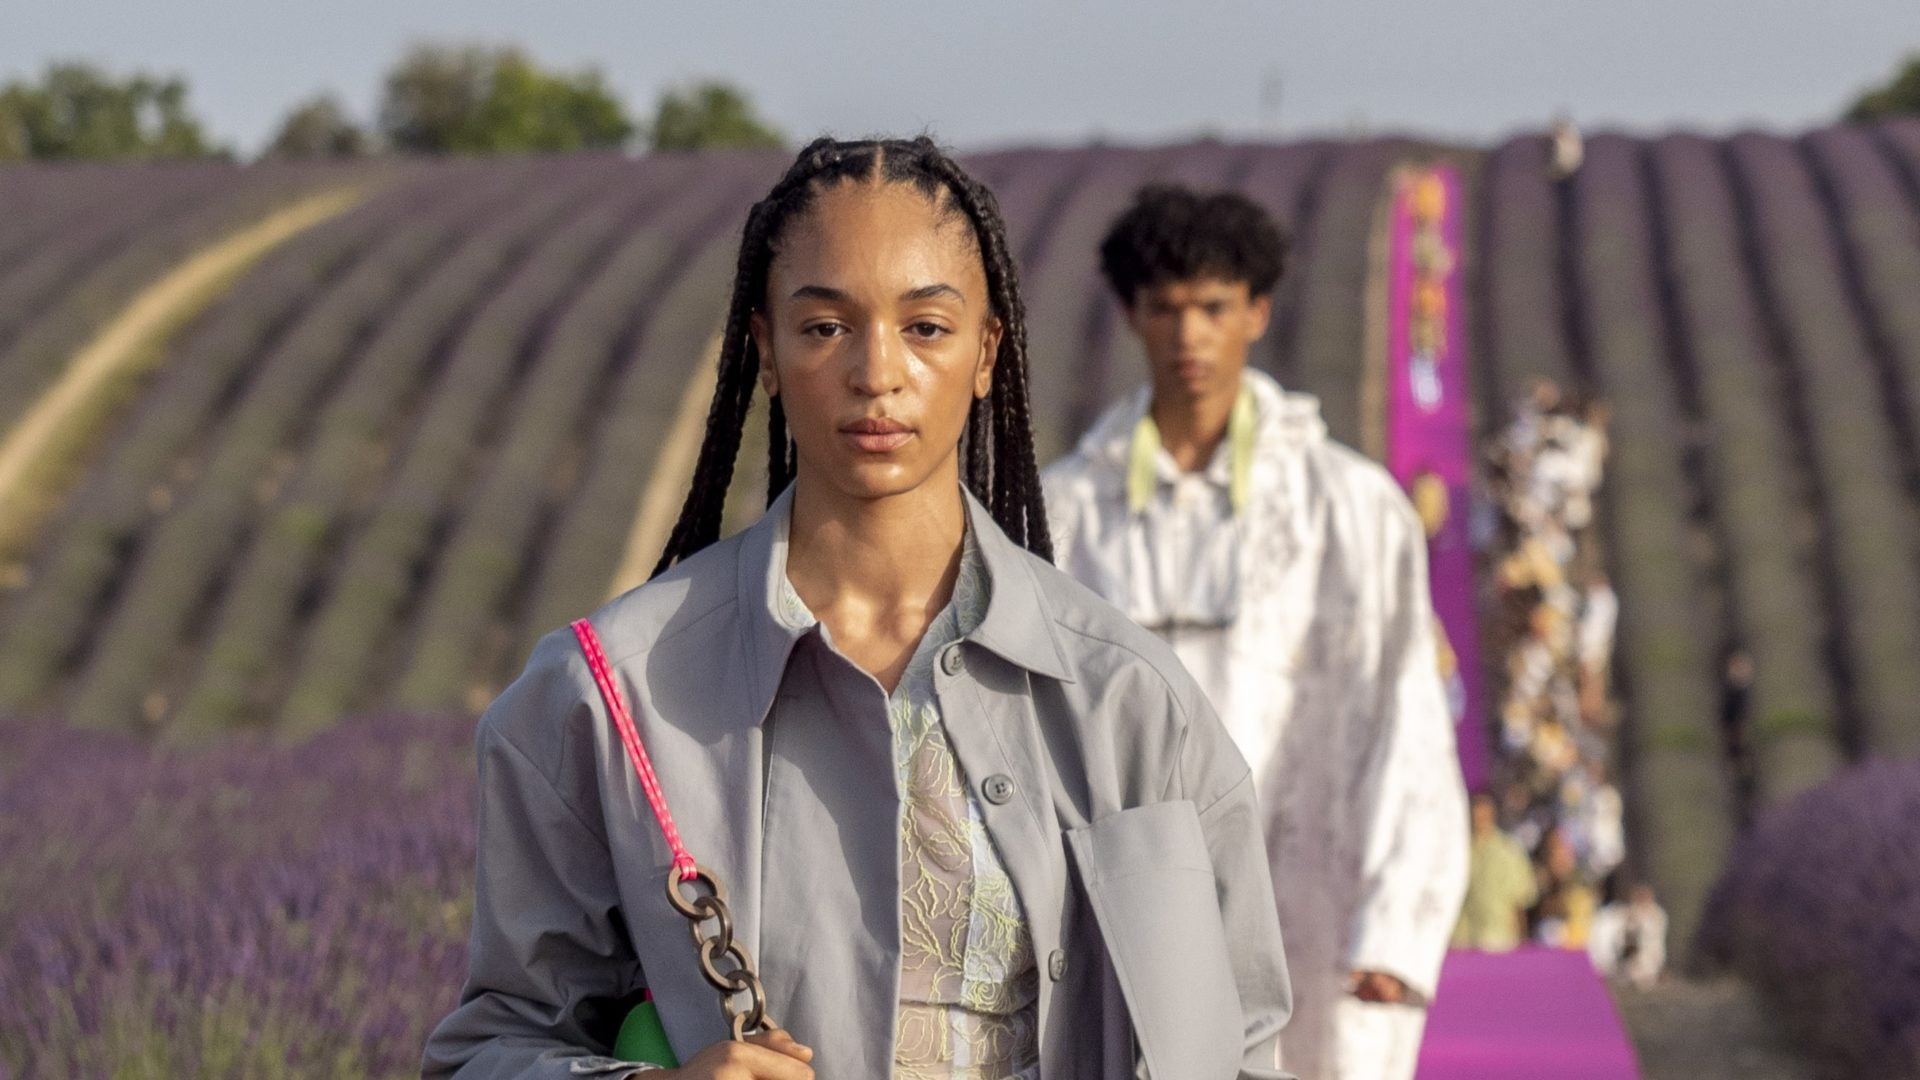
(877,436)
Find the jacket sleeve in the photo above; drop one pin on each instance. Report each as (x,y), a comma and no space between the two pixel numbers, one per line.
(1230,819)
(1411,796)
(550,967)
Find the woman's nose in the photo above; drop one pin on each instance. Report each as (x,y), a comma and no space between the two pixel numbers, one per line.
(877,364)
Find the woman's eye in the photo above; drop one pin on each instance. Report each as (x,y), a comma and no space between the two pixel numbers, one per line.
(825,330)
(927,329)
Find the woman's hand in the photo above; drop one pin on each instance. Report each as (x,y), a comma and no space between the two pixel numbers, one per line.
(769,1056)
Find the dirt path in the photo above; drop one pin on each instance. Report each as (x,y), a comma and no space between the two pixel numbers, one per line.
(667,485)
(69,412)
(1716,1029)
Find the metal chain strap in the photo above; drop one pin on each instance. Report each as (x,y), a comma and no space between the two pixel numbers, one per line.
(741,977)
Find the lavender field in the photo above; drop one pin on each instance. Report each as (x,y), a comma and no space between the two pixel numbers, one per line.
(233,911)
(357,486)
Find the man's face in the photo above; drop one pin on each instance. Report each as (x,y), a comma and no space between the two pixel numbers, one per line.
(1197,333)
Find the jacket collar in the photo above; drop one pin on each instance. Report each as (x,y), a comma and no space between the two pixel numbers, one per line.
(1281,418)
(1018,626)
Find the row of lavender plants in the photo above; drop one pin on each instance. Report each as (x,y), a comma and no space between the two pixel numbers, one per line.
(1327,344)
(1754,475)
(1520,308)
(287,562)
(1873,223)
(638,325)
(385,553)
(184,550)
(1679,777)
(56,296)
(232,911)
(82,550)
(189,547)
(1867,520)
(1060,287)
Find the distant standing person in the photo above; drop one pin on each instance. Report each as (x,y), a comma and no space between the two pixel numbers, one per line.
(1289,574)
(1500,885)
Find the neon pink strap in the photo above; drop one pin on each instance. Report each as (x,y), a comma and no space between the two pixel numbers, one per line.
(636,753)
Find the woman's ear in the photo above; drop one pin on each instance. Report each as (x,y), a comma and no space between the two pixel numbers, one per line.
(989,355)
(762,336)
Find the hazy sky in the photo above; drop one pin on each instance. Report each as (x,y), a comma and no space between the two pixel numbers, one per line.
(989,72)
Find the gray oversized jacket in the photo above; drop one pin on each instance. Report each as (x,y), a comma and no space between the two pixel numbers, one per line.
(1121,809)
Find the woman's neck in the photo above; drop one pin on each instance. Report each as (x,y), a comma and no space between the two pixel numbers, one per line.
(876,571)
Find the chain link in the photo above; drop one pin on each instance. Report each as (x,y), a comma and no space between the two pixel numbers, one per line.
(741,977)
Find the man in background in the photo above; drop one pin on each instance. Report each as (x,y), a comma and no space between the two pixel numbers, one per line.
(1289,574)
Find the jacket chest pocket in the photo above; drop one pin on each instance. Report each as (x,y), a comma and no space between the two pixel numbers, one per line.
(1151,885)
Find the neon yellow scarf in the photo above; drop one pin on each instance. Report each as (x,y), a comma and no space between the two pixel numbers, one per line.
(1144,453)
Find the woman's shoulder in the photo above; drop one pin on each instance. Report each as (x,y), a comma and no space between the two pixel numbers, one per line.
(1099,641)
(556,691)
(1128,689)
(1106,653)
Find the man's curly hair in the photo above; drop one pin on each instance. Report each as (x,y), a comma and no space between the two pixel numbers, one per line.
(1174,233)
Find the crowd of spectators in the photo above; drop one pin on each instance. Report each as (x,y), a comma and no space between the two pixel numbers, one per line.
(1552,807)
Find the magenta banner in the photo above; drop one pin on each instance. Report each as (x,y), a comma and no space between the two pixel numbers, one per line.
(1429,443)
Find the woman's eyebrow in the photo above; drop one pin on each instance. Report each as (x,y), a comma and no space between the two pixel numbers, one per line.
(924,292)
(928,292)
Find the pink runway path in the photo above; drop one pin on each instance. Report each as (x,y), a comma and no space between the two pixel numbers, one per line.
(1535,1014)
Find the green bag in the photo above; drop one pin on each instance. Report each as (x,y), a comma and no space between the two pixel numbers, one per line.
(642,1038)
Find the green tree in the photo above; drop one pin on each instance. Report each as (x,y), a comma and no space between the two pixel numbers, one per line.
(319,128)
(78,111)
(478,100)
(710,115)
(1900,96)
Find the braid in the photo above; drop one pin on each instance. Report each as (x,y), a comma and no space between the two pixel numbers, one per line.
(780,450)
(1017,501)
(999,465)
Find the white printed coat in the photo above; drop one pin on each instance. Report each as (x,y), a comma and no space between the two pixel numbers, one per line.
(1323,666)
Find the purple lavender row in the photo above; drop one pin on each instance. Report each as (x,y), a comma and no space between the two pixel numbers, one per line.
(93,269)
(488,319)
(576,548)
(45,201)
(1062,285)
(385,379)
(1328,340)
(1522,310)
(1754,474)
(1289,182)
(124,678)
(1876,223)
(138,471)
(583,346)
(1679,776)
(1870,533)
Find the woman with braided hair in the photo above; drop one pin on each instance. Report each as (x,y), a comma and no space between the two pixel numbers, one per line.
(972,822)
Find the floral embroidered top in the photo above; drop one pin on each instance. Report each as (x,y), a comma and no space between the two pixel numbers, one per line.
(968,981)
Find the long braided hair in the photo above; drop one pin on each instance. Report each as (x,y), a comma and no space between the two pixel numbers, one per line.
(998,465)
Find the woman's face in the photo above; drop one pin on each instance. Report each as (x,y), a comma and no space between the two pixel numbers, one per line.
(877,337)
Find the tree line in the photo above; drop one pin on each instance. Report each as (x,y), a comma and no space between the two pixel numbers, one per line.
(438,99)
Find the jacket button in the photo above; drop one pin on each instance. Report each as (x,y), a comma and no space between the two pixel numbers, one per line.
(998,788)
(951,661)
(1057,964)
